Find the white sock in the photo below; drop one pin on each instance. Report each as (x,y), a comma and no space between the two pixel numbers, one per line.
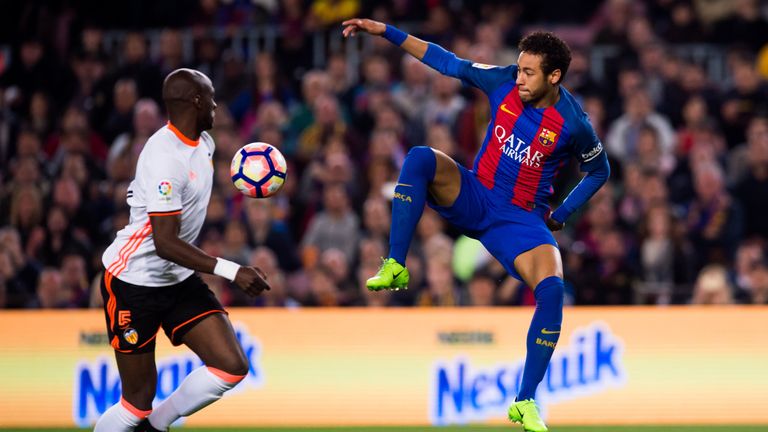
(201,388)
(121,417)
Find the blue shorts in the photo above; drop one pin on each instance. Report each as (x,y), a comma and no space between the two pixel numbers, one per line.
(505,229)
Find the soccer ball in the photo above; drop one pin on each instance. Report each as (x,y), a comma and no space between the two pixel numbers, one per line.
(258,170)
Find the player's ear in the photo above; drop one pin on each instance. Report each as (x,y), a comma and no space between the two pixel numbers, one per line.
(554,77)
(196,100)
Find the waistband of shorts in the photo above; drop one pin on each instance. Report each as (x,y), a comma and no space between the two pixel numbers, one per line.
(542,210)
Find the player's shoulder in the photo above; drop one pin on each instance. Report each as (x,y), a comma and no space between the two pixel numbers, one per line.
(207,140)
(495,72)
(162,147)
(572,112)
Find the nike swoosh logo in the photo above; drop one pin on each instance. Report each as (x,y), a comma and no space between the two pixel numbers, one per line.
(545,331)
(403,184)
(395,275)
(503,107)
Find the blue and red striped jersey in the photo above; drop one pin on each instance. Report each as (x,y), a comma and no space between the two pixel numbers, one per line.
(524,147)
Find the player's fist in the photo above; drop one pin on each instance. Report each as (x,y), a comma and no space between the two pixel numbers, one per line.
(354,25)
(251,280)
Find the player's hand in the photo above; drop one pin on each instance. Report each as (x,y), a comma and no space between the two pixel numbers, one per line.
(251,280)
(354,25)
(554,225)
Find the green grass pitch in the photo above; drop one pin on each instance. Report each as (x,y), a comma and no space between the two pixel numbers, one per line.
(510,428)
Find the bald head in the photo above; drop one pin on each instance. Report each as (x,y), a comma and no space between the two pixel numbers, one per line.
(183,84)
(188,97)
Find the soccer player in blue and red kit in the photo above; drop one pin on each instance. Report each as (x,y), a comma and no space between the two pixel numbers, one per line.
(536,127)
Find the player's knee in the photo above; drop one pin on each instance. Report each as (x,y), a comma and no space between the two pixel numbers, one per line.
(422,157)
(240,368)
(139,396)
(550,291)
(237,366)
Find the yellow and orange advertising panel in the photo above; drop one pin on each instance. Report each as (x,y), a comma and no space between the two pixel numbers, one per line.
(413,367)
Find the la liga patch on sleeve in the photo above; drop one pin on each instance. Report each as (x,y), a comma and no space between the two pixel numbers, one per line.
(164,191)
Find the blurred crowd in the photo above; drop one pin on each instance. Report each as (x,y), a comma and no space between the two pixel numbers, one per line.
(684,218)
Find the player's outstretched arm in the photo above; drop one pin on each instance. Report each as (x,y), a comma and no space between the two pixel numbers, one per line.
(411,44)
(484,77)
(165,233)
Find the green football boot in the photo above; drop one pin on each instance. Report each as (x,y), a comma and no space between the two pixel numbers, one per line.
(525,412)
(391,275)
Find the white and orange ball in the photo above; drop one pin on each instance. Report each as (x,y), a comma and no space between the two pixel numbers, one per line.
(258,170)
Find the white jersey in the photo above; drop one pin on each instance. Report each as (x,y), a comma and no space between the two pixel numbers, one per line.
(174,176)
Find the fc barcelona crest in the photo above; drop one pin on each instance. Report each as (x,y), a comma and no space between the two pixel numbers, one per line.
(547,137)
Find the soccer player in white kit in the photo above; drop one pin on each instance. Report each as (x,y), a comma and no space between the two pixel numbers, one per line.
(150,280)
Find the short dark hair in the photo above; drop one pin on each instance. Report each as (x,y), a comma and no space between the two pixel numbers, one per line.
(554,52)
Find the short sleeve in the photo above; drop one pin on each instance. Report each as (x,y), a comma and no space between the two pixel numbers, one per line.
(587,147)
(164,183)
(208,139)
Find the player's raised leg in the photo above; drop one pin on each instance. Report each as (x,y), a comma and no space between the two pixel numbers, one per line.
(139,380)
(425,170)
(541,268)
(224,366)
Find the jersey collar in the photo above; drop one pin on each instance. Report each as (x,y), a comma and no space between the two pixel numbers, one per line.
(179,135)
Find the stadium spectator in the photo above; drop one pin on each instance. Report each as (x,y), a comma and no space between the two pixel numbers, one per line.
(324,290)
(481,290)
(75,135)
(410,94)
(684,25)
(49,245)
(26,211)
(744,24)
(666,257)
(337,265)
(752,190)
(124,100)
(748,256)
(624,133)
(712,287)
(51,291)
(266,85)
(19,272)
(746,96)
(235,247)
(137,66)
(441,289)
(376,218)
(337,226)
(327,123)
(715,219)
(264,231)
(171,51)
(40,115)
(444,103)
(313,84)
(74,278)
(759,276)
(124,151)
